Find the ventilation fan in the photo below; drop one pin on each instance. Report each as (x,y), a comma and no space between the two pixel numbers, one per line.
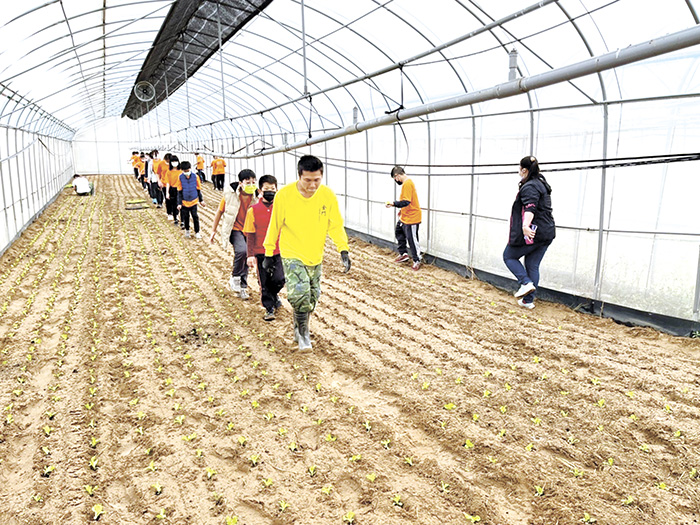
(144,91)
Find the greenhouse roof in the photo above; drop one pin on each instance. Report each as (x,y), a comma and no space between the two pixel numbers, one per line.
(293,66)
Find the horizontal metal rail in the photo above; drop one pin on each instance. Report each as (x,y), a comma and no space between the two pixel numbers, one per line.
(652,48)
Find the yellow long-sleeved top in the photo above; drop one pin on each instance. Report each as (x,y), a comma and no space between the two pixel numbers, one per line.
(302,224)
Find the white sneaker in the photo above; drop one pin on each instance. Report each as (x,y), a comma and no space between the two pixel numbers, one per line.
(197,235)
(187,234)
(170,217)
(235,284)
(524,290)
(529,306)
(244,294)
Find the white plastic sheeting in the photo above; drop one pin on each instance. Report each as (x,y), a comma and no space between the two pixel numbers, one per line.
(627,235)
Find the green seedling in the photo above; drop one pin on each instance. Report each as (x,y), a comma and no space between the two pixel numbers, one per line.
(644,447)
(529,447)
(330,438)
(444,487)
(269,416)
(425,385)
(312,470)
(90,489)
(587,518)
(38,498)
(539,491)
(152,466)
(98,511)
(662,486)
(46,450)
(242,440)
(408,460)
(48,470)
(349,517)
(502,432)
(577,472)
(47,430)
(283,505)
(93,462)
(210,472)
(450,406)
(319,422)
(694,473)
(458,381)
(157,488)
(283,432)
(198,453)
(293,446)
(93,442)
(355,458)
(628,501)
(503,409)
(140,415)
(372,476)
(190,437)
(468,444)
(396,500)
(473,519)
(231,520)
(386,443)
(368,426)
(161,515)
(50,414)
(327,490)
(267,482)
(254,459)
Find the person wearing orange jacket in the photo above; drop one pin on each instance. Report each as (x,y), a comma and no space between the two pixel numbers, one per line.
(200,168)
(409,218)
(218,172)
(134,161)
(171,179)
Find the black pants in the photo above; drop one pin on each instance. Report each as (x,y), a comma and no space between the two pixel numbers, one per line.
(408,233)
(171,203)
(202,176)
(270,286)
(156,192)
(186,212)
(218,181)
(136,173)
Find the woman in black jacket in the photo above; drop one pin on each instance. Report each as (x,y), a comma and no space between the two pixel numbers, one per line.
(532,230)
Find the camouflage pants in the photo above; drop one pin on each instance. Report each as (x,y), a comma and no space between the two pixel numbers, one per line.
(303,284)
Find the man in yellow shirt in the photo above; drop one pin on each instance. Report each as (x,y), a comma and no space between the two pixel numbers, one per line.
(409,218)
(304,214)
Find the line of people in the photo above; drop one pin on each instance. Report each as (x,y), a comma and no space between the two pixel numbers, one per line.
(281,234)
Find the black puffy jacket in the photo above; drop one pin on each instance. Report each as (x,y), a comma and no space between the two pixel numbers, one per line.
(532,197)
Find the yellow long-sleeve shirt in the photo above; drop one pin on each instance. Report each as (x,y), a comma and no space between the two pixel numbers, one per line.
(302,224)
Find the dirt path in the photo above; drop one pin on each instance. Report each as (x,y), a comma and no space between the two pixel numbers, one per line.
(127,369)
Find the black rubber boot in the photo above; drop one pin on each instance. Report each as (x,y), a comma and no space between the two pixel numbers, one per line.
(302,322)
(296,328)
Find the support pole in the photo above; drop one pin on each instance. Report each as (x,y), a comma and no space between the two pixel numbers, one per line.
(221,55)
(303,47)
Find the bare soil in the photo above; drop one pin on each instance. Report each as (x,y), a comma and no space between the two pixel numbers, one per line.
(427,398)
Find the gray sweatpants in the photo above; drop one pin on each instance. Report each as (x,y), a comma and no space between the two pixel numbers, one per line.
(240,256)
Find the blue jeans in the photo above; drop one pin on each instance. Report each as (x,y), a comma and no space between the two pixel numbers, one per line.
(530,273)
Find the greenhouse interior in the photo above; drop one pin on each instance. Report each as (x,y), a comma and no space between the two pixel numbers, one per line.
(604,93)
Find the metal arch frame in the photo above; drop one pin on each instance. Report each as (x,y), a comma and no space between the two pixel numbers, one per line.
(293,52)
(396,65)
(205,99)
(73,49)
(267,94)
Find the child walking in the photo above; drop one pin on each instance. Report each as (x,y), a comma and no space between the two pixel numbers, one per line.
(256,223)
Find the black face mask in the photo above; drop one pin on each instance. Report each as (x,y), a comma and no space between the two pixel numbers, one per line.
(269,196)
(398,182)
